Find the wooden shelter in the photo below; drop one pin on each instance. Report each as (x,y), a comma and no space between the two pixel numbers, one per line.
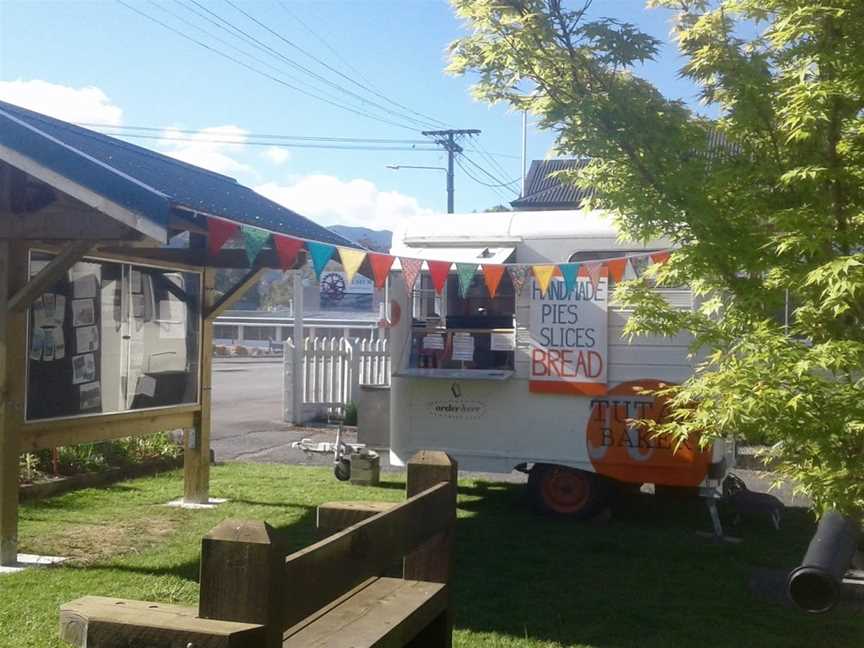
(107,293)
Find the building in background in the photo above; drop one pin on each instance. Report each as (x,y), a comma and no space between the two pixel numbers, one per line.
(544,191)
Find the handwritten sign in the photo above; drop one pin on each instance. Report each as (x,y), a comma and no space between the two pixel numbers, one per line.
(569,337)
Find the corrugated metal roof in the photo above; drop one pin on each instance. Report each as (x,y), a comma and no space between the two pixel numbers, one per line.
(544,190)
(143,180)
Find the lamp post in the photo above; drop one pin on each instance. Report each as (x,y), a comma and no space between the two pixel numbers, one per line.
(396,167)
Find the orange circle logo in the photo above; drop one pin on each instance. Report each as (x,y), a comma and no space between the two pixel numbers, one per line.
(624,451)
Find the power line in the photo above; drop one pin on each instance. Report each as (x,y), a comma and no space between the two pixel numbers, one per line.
(161,129)
(202,140)
(369,85)
(302,68)
(261,73)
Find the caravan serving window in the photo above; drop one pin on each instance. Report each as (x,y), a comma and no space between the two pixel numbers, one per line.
(112,337)
(452,332)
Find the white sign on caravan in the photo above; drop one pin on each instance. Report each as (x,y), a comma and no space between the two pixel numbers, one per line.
(569,337)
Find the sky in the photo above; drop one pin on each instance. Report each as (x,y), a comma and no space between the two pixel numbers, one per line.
(101,62)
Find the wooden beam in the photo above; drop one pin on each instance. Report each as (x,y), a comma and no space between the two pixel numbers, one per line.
(196,440)
(322,572)
(237,291)
(181,219)
(8,440)
(99,622)
(240,576)
(47,276)
(37,435)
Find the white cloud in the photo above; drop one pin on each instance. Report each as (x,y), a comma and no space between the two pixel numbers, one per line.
(213,148)
(276,155)
(331,201)
(87,104)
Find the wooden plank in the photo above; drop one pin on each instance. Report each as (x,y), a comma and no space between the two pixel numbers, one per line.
(48,276)
(196,442)
(98,622)
(387,613)
(237,291)
(320,573)
(102,427)
(337,516)
(240,576)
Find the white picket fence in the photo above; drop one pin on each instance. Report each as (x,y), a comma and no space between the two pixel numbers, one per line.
(331,371)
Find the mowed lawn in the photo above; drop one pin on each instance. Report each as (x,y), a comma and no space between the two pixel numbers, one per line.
(644,579)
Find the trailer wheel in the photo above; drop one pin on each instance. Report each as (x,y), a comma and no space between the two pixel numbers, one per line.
(342,470)
(563,491)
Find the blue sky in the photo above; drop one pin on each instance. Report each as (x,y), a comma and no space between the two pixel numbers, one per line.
(98,61)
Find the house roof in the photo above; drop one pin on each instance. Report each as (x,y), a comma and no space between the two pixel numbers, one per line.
(143,181)
(545,191)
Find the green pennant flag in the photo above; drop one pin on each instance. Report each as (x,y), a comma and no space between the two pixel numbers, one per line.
(465,273)
(254,240)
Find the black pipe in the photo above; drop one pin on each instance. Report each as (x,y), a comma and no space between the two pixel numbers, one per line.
(815,586)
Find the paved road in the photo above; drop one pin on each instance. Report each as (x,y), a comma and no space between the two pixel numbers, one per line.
(248,425)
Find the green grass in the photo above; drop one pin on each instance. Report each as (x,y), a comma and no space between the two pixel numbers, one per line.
(644,579)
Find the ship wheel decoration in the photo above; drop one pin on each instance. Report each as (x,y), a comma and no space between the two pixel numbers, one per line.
(332,288)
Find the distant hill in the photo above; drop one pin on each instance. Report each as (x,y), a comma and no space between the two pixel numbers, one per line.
(377,240)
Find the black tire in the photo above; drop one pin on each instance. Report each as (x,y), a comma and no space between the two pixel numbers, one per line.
(567,492)
(342,470)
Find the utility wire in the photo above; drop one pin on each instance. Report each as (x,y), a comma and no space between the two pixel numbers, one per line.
(261,73)
(297,66)
(368,84)
(490,159)
(161,129)
(497,182)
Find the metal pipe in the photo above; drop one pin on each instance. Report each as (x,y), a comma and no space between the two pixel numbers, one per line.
(815,586)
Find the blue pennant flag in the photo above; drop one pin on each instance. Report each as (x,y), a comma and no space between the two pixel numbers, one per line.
(569,271)
(321,254)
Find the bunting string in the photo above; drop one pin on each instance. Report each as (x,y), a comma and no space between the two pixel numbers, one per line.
(378,265)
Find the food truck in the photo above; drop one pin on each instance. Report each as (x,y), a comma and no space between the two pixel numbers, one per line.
(541,382)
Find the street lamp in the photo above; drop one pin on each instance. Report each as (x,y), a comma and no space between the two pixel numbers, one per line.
(396,167)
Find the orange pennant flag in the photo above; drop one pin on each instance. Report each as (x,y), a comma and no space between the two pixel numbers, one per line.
(660,257)
(492,275)
(617,267)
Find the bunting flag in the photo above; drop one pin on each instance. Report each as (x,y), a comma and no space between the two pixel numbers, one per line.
(254,240)
(320,253)
(569,271)
(492,276)
(630,270)
(286,249)
(519,276)
(465,273)
(593,270)
(640,264)
(351,258)
(543,275)
(438,271)
(410,271)
(218,233)
(381,264)
(660,257)
(617,267)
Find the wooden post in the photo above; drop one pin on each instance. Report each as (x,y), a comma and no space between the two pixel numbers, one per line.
(241,575)
(433,561)
(196,442)
(8,441)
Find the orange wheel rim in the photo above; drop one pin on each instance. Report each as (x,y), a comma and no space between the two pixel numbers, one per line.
(565,491)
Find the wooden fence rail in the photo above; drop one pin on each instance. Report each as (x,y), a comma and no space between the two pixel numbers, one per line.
(329,594)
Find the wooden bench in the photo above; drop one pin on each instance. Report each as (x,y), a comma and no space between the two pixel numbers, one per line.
(330,594)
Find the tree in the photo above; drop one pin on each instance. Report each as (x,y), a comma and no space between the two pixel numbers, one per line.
(762,202)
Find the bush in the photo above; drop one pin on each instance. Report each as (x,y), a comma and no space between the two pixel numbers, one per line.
(350,414)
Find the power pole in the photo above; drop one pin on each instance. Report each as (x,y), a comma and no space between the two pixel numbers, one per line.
(447,139)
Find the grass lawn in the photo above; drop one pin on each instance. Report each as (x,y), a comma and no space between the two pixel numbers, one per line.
(522,581)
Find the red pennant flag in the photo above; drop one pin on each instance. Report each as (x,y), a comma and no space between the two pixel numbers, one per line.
(617,268)
(286,249)
(218,233)
(381,264)
(438,271)
(593,270)
(660,257)
(492,275)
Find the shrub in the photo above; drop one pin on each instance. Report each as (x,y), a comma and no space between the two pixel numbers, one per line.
(350,414)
